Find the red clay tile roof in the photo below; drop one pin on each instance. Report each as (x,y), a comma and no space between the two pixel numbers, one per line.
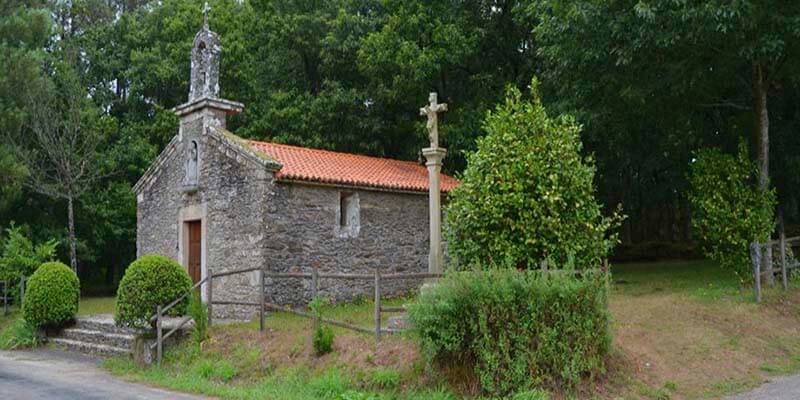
(305,164)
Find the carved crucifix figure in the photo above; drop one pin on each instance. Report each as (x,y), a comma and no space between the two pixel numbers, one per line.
(434,156)
(432,111)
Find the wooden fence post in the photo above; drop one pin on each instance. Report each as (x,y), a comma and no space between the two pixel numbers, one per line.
(159,343)
(377,306)
(784,277)
(314,293)
(262,283)
(755,256)
(209,293)
(5,297)
(767,264)
(21,290)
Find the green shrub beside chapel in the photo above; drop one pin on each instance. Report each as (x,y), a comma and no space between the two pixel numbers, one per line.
(517,330)
(150,281)
(52,296)
(528,193)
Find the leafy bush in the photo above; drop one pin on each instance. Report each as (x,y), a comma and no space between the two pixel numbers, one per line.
(385,378)
(322,340)
(20,334)
(149,281)
(729,212)
(199,313)
(21,256)
(219,370)
(527,193)
(535,394)
(52,296)
(516,330)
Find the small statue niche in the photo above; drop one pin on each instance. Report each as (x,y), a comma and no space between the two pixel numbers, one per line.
(190,167)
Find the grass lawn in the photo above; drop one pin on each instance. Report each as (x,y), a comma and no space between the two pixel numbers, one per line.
(87,306)
(687,330)
(682,330)
(97,305)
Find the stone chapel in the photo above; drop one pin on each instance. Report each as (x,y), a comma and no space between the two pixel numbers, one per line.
(214,200)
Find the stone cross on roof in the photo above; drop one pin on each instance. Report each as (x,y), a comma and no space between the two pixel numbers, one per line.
(432,111)
(206,9)
(205,62)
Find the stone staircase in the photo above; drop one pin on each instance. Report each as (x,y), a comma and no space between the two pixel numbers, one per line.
(96,335)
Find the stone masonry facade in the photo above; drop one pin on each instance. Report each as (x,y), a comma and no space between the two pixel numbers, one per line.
(251,220)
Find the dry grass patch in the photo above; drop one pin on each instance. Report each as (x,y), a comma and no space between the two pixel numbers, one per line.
(688,342)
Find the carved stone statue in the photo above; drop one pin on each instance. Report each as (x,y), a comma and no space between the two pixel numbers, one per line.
(432,111)
(190,166)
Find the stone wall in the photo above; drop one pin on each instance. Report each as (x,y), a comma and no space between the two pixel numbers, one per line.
(303,229)
(230,202)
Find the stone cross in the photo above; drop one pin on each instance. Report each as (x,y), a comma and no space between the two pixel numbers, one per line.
(434,156)
(432,111)
(206,9)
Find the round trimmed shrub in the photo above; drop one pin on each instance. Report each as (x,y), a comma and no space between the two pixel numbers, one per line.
(52,296)
(149,281)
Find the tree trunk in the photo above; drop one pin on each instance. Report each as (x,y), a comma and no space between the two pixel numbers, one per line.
(73,256)
(760,86)
(762,124)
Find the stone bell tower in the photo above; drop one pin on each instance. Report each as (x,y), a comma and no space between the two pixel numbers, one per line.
(205,62)
(204,108)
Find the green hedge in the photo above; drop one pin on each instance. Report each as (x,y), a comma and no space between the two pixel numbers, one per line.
(149,281)
(517,330)
(52,296)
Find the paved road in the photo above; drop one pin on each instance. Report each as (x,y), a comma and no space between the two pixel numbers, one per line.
(787,388)
(51,374)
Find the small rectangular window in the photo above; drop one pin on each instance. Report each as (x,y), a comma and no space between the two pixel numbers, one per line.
(349,216)
(344,208)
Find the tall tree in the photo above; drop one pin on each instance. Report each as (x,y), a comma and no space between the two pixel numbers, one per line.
(62,153)
(24,33)
(671,75)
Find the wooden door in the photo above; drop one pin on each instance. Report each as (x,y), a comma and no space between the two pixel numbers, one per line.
(195,248)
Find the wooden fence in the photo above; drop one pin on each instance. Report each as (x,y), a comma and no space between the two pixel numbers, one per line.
(262,305)
(5,296)
(6,286)
(763,252)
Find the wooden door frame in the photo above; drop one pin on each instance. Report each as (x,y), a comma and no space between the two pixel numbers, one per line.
(192,214)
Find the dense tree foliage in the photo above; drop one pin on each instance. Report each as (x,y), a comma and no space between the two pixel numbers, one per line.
(650,81)
(528,194)
(730,209)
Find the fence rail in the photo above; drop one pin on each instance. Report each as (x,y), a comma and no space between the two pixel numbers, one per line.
(158,318)
(6,287)
(5,297)
(263,305)
(763,252)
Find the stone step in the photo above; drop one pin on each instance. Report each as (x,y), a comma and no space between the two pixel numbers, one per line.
(89,348)
(102,323)
(122,340)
